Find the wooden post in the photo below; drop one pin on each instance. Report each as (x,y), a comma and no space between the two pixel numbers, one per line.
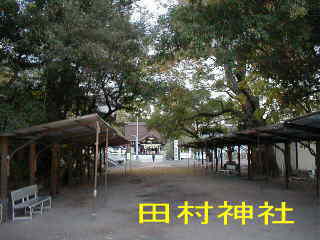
(88,158)
(126,159)
(216,158)
(239,159)
(202,159)
(259,148)
(188,159)
(70,162)
(249,162)
(82,164)
(100,161)
(189,156)
(297,160)
(207,159)
(32,163)
(96,161)
(54,169)
(221,160)
(106,158)
(287,162)
(212,159)
(267,147)
(197,157)
(317,159)
(229,153)
(4,153)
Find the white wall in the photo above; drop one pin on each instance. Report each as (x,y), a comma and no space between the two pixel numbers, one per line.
(305,160)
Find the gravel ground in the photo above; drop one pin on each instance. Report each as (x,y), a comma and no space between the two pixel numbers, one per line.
(114,215)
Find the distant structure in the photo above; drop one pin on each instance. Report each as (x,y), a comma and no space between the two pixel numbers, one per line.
(149,140)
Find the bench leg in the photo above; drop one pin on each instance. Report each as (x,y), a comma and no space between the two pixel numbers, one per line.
(48,203)
(30,209)
(41,209)
(38,208)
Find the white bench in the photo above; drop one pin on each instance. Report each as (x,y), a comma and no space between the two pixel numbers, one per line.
(225,171)
(230,169)
(27,199)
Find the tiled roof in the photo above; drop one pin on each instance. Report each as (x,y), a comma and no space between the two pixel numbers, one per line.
(130,131)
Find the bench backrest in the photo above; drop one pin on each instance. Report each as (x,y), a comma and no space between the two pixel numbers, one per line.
(230,167)
(24,194)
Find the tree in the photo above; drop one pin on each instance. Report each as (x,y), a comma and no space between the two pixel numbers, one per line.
(276,39)
(21,105)
(241,37)
(187,111)
(268,51)
(87,54)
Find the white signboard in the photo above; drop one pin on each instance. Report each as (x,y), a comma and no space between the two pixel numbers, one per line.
(175,150)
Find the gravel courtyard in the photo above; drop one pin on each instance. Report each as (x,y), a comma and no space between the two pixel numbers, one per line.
(114,215)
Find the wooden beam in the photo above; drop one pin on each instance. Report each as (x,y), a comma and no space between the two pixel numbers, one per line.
(32,163)
(246,138)
(284,136)
(4,154)
(289,137)
(303,128)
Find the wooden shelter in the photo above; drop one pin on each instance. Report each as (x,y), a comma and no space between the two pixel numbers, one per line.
(301,129)
(86,130)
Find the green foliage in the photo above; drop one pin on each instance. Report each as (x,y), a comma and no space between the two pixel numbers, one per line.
(278,39)
(86,54)
(267,49)
(181,111)
(21,106)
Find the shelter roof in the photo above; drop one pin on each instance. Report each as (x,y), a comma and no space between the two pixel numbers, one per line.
(304,128)
(76,130)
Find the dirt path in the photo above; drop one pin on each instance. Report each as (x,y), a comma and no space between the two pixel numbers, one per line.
(116,215)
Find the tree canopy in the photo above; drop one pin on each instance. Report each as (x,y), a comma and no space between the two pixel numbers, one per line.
(79,56)
(268,52)
(63,58)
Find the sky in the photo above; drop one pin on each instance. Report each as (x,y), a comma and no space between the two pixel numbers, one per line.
(155,9)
